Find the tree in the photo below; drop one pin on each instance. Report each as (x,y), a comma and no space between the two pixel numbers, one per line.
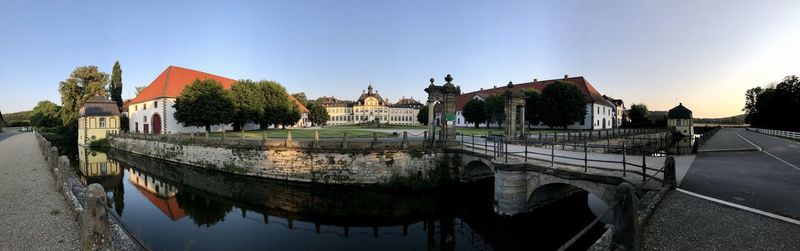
(2,121)
(318,114)
(775,107)
(203,103)
(124,123)
(475,112)
(563,104)
(301,96)
(640,115)
(422,115)
(495,109)
(276,103)
(115,87)
(248,103)
(46,115)
(83,83)
(139,89)
(533,99)
(291,115)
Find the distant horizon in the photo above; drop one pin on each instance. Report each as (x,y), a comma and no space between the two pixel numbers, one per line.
(703,54)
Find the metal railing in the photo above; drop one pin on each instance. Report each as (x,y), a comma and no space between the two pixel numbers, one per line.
(779,133)
(498,147)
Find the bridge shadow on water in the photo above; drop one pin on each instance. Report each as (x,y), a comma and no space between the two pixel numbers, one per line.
(173,207)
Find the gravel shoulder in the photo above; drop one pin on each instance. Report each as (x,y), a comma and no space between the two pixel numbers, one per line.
(685,222)
(33,215)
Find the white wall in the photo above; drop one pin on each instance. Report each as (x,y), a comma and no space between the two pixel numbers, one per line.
(166,111)
(595,113)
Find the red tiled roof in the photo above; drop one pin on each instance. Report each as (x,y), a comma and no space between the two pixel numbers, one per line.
(173,80)
(589,92)
(303,108)
(168,206)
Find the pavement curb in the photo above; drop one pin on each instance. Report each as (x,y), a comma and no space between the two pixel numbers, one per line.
(730,150)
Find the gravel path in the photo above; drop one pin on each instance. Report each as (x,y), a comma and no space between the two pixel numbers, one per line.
(33,215)
(685,222)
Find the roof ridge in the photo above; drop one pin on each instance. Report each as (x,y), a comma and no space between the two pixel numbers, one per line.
(166,81)
(187,69)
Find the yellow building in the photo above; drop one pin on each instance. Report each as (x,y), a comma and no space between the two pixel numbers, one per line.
(369,107)
(98,118)
(97,167)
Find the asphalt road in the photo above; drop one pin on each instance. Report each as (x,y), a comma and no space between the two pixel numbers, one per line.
(6,134)
(685,222)
(767,180)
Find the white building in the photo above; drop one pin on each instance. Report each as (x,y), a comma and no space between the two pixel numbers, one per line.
(370,106)
(152,110)
(600,113)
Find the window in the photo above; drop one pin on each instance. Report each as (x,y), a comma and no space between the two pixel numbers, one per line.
(102,122)
(145,119)
(144,106)
(137,127)
(155,104)
(136,107)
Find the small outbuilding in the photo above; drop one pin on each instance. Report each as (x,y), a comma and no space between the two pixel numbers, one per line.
(679,120)
(98,118)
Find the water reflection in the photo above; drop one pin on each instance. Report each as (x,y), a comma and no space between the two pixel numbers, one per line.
(97,167)
(181,207)
(160,194)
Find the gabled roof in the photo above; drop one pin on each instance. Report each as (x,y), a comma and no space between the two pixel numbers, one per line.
(591,95)
(679,112)
(407,103)
(173,80)
(99,106)
(303,108)
(370,93)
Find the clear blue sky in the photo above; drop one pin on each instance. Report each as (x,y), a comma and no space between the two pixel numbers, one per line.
(702,53)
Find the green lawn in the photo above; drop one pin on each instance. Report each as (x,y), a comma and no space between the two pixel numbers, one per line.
(396,127)
(480,131)
(305,133)
(468,131)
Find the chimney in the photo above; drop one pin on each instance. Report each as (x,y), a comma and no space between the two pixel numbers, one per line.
(481,88)
(494,86)
(535,80)
(566,76)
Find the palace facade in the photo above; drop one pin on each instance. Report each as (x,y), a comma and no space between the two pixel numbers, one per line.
(369,107)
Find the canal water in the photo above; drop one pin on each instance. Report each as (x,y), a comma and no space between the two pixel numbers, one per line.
(177,207)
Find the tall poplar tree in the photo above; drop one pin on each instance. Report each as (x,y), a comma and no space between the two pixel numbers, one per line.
(115,88)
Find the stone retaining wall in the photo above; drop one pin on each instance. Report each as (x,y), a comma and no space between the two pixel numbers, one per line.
(355,163)
(68,182)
